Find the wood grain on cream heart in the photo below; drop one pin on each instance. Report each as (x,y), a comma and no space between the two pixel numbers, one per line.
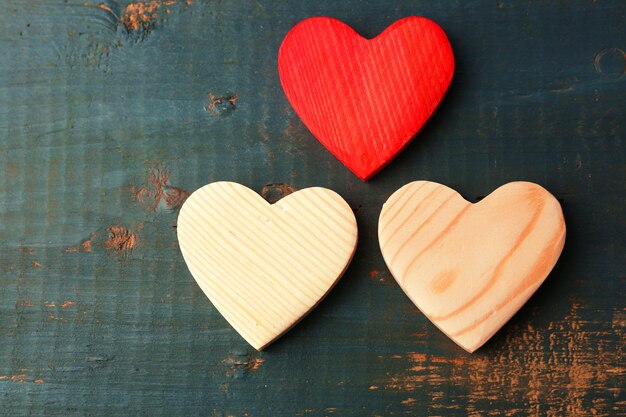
(365,99)
(470,267)
(264,266)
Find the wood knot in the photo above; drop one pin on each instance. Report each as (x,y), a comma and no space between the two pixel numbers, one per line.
(275,191)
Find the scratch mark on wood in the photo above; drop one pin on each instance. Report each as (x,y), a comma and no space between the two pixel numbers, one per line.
(104,7)
(100,359)
(610,63)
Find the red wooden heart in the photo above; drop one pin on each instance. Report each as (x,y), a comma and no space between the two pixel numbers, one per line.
(365,99)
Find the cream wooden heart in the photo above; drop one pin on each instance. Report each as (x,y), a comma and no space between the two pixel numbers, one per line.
(263,266)
(470,267)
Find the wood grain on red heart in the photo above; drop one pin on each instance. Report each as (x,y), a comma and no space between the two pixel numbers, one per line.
(470,267)
(364,100)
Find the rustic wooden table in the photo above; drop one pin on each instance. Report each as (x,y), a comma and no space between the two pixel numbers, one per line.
(112,112)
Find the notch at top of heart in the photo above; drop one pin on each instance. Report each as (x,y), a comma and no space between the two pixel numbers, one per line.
(265,266)
(365,99)
(470,267)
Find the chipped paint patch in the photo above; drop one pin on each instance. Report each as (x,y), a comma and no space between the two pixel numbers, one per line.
(53,317)
(237,365)
(584,357)
(86,245)
(24,303)
(120,240)
(142,15)
(157,192)
(380,276)
(19,378)
(139,16)
(26,250)
(221,105)
(117,238)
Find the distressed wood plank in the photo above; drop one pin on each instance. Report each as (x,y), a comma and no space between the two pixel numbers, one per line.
(105,131)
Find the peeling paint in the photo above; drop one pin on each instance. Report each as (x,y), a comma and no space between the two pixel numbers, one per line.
(117,238)
(573,353)
(221,105)
(21,378)
(120,240)
(157,192)
(139,16)
(142,14)
(26,250)
(238,364)
(25,303)
(53,317)
(14,378)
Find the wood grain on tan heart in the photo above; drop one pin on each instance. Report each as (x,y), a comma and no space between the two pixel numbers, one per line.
(263,266)
(470,267)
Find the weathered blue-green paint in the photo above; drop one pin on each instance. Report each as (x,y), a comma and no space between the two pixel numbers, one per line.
(101,321)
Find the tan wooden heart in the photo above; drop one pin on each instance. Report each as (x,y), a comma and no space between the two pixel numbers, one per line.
(264,267)
(470,267)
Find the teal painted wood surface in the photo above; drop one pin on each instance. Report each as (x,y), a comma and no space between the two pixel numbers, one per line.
(112,112)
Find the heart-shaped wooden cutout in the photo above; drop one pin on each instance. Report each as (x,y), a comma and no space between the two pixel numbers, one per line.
(364,100)
(265,266)
(470,267)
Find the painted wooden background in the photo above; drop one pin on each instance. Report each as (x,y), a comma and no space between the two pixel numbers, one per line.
(112,112)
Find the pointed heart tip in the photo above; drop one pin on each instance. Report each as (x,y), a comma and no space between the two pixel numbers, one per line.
(232,240)
(468,287)
(365,121)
